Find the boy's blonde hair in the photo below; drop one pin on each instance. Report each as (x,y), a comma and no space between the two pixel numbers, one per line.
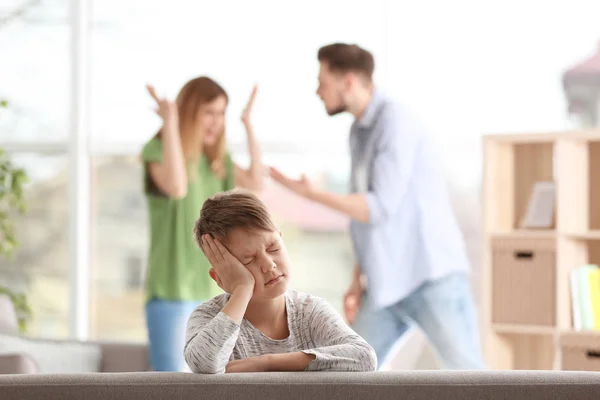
(226,211)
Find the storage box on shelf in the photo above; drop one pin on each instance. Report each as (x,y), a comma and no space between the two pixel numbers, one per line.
(526,286)
(580,351)
(523,276)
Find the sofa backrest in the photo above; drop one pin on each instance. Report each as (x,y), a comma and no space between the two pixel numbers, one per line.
(430,385)
(8,316)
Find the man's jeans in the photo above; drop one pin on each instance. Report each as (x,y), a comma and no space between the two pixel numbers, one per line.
(443,309)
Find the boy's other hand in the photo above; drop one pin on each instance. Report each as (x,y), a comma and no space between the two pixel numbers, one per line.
(229,273)
(250,364)
(295,361)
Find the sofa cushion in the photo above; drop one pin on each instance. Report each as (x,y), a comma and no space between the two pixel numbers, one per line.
(54,356)
(125,357)
(17,364)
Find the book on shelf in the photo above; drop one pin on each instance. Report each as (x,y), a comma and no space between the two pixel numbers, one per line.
(541,206)
(585,297)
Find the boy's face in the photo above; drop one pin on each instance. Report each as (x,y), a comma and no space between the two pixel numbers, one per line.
(265,256)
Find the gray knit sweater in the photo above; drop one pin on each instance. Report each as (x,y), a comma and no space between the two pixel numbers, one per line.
(213,339)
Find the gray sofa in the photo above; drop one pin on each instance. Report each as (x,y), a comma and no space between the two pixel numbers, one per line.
(123,374)
(425,385)
(113,357)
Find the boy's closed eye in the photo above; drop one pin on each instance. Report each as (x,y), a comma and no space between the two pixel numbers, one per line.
(248,260)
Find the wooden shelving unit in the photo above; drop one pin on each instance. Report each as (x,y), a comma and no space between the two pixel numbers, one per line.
(512,165)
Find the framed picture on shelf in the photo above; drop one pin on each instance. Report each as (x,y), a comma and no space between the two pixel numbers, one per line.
(541,206)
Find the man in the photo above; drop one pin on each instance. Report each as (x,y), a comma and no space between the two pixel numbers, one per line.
(407,241)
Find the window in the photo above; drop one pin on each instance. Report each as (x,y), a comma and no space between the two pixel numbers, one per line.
(34,82)
(118,229)
(134,273)
(39,266)
(33,87)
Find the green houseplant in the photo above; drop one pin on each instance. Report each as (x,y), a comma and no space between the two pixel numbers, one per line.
(12,202)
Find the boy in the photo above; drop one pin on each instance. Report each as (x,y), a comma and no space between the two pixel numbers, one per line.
(259,325)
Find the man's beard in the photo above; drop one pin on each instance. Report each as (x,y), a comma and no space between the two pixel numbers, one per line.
(342,107)
(338,110)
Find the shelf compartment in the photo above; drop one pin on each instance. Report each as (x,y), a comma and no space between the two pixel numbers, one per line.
(511,171)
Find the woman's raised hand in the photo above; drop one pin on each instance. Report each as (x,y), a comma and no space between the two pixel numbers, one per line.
(247,112)
(166,109)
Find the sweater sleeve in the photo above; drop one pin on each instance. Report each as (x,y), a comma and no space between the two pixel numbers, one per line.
(337,346)
(210,340)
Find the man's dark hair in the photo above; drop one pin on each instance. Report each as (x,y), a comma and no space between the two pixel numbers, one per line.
(342,57)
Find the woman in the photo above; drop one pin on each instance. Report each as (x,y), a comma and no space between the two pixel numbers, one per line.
(184,164)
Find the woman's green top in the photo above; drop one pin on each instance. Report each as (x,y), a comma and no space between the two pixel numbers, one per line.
(177,268)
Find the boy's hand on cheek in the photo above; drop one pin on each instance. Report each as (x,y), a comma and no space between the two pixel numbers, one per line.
(231,274)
